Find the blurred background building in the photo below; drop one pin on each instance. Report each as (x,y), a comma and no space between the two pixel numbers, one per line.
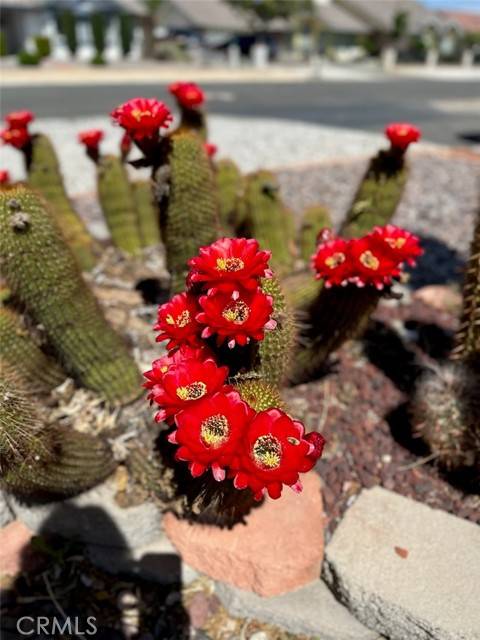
(236,32)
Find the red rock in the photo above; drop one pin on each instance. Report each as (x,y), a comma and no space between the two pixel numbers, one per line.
(279,549)
(15,550)
(440,297)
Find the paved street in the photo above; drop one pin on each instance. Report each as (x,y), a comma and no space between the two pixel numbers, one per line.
(445,110)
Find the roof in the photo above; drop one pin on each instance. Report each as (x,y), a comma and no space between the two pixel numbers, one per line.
(470,22)
(380,16)
(203,14)
(338,20)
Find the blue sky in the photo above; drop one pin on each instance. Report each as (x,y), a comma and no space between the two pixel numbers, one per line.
(454,5)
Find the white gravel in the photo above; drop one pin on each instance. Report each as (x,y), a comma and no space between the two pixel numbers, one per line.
(252,142)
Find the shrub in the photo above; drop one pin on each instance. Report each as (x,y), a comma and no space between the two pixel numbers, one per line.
(25,58)
(43,46)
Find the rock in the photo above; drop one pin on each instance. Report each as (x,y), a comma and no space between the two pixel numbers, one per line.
(15,552)
(157,561)
(405,569)
(440,297)
(93,517)
(6,514)
(312,611)
(279,549)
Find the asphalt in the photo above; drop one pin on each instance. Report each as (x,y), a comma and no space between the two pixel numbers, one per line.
(447,111)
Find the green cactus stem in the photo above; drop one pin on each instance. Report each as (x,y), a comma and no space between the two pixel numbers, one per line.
(275,350)
(336,315)
(147,213)
(39,460)
(41,271)
(314,219)
(260,395)
(446,413)
(378,195)
(467,340)
(44,176)
(268,220)
(301,289)
(39,373)
(118,204)
(185,191)
(230,185)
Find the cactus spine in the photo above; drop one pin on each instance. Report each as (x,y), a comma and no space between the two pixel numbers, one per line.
(147,214)
(230,185)
(314,219)
(44,176)
(268,220)
(43,274)
(260,395)
(40,460)
(118,204)
(378,195)
(38,373)
(188,204)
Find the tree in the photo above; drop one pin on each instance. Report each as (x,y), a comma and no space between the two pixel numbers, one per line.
(151,8)
(267,10)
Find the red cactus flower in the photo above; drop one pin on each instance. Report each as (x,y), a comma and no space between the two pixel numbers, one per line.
(401,244)
(236,318)
(18,138)
(210,433)
(332,262)
(176,321)
(142,117)
(186,383)
(401,134)
(210,149)
(230,263)
(4,176)
(372,263)
(274,453)
(19,119)
(188,94)
(318,442)
(180,356)
(91,138)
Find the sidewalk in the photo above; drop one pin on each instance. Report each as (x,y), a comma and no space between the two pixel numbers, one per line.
(151,72)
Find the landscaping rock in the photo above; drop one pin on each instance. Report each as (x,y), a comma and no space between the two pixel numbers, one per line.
(312,611)
(406,570)
(15,552)
(93,517)
(157,561)
(440,297)
(280,548)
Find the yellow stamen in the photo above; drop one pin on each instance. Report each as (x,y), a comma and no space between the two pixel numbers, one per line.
(230,264)
(369,260)
(335,260)
(214,430)
(395,243)
(236,312)
(192,391)
(267,452)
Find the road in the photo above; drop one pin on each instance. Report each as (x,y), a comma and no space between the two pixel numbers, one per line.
(445,110)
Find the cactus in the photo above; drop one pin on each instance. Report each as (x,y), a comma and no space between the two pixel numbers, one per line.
(230,185)
(377,196)
(38,372)
(147,213)
(189,213)
(275,350)
(260,395)
(336,315)
(314,219)
(39,460)
(467,340)
(301,289)
(118,204)
(268,220)
(42,273)
(446,412)
(44,176)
